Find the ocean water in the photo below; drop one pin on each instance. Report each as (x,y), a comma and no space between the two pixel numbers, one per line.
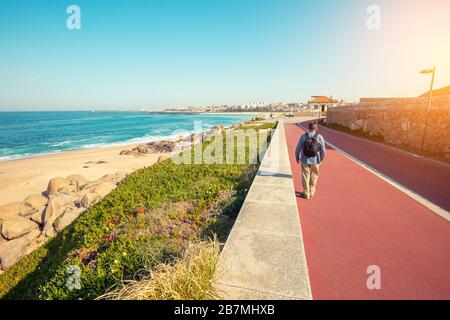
(25,134)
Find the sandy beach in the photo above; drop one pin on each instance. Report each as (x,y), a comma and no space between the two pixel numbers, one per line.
(22,177)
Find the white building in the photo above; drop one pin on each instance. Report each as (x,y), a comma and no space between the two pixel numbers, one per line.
(322,103)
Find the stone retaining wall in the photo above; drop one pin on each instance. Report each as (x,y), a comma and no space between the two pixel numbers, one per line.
(400,122)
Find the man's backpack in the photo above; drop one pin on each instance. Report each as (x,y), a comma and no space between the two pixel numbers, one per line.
(311,146)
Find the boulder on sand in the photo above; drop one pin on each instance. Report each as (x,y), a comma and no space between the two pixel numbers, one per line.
(12,251)
(122,174)
(49,221)
(73,183)
(55,208)
(65,219)
(55,205)
(164,146)
(55,184)
(113,177)
(88,199)
(14,209)
(216,130)
(17,227)
(77,180)
(38,217)
(36,201)
(1,237)
(103,188)
(142,148)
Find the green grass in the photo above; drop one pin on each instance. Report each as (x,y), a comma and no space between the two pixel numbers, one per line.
(181,203)
(268,125)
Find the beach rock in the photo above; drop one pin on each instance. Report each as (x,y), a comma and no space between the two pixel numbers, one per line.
(59,209)
(38,217)
(55,206)
(17,227)
(12,251)
(180,138)
(49,230)
(142,148)
(68,189)
(36,243)
(103,188)
(65,219)
(216,130)
(55,184)
(54,209)
(72,184)
(88,200)
(77,180)
(1,237)
(36,201)
(14,209)
(128,153)
(122,175)
(164,146)
(164,157)
(113,178)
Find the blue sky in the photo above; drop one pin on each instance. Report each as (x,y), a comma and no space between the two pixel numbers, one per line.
(164,53)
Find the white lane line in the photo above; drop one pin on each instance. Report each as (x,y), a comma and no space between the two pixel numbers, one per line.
(430,205)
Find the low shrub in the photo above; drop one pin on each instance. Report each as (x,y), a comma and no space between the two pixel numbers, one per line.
(187,278)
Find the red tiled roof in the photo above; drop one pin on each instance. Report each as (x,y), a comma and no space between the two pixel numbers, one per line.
(322,99)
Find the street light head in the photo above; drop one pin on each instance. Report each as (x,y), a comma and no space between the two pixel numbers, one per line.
(427,71)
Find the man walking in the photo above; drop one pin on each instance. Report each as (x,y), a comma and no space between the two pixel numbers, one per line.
(312,148)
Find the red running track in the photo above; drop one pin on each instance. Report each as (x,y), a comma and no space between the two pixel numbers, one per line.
(428,178)
(357,220)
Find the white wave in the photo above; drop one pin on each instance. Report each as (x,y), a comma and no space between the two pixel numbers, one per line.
(62,143)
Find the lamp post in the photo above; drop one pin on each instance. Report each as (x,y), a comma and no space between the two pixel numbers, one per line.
(430,95)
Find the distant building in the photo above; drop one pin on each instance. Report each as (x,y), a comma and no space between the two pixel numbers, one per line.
(322,103)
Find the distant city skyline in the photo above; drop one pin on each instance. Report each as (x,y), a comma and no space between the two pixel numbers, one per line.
(179,53)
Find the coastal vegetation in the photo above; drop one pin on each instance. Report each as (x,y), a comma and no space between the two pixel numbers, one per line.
(157,234)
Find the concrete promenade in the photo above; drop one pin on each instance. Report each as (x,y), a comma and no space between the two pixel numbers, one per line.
(263,257)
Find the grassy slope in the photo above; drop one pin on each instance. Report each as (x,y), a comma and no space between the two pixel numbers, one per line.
(110,243)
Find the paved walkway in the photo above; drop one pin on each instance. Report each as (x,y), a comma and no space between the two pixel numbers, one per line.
(357,220)
(428,178)
(263,257)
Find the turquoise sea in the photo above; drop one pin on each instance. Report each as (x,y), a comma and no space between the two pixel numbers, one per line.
(25,134)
